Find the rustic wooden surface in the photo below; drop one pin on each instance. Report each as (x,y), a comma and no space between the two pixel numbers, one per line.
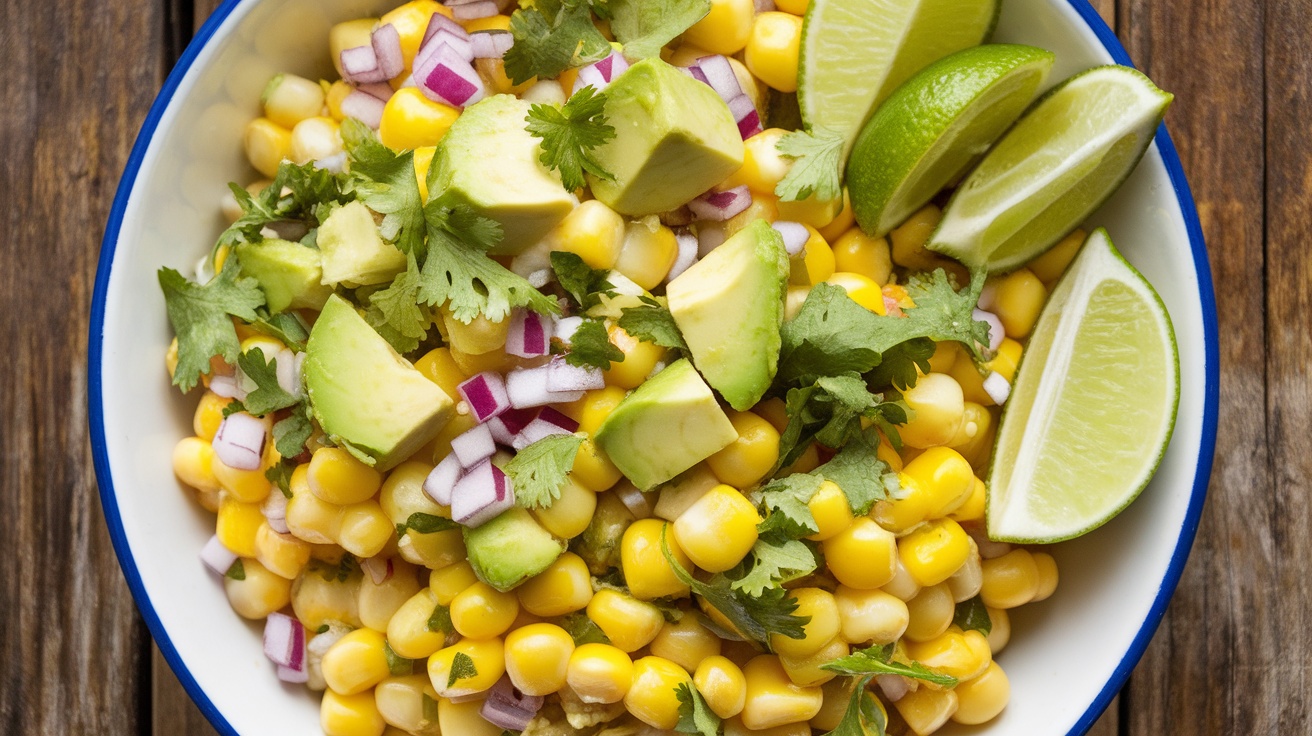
(1231,656)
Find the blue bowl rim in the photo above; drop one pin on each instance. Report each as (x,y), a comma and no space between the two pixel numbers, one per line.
(109,502)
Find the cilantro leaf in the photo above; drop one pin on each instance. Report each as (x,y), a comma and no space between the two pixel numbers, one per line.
(385,181)
(695,716)
(343,570)
(201,318)
(829,412)
(397,308)
(569,134)
(538,471)
(462,668)
(281,476)
(858,470)
(287,327)
(652,323)
(645,26)
(878,660)
(292,432)
(397,666)
(584,284)
(426,523)
(440,620)
(236,571)
(863,716)
(268,394)
(591,346)
(583,629)
(972,614)
(301,193)
(817,168)
(787,500)
(775,561)
(553,36)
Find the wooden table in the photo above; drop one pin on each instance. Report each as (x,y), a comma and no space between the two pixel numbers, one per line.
(1231,656)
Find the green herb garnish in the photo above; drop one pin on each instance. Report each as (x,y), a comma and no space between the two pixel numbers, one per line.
(569,133)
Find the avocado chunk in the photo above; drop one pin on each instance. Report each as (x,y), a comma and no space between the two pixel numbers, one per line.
(367,398)
(510,549)
(674,139)
(667,425)
(730,308)
(352,251)
(489,161)
(289,273)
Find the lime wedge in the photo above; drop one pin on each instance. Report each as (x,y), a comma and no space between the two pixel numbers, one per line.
(1093,405)
(931,129)
(856,52)
(1060,162)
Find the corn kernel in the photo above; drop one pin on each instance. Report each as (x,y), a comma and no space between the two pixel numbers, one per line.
(935,551)
(337,477)
(951,653)
(482,612)
(350,715)
(643,562)
(564,587)
(808,671)
(837,697)
(640,358)
(773,48)
(842,222)
(824,625)
(237,526)
(930,613)
(722,684)
(856,252)
(488,656)
(1000,633)
(315,138)
(981,699)
(763,165)
(377,603)
(337,92)
(209,415)
(593,232)
(289,99)
(600,673)
(1007,359)
(629,623)
(1010,580)
(408,631)
(248,486)
(772,699)
(266,144)
(478,336)
(796,7)
(283,554)
(347,35)
(902,586)
(938,407)
(448,582)
(193,463)
(259,593)
(318,599)
(966,582)
(411,21)
(831,510)
(870,616)
(686,642)
(356,662)
(593,468)
(407,703)
(746,460)
(648,252)
(861,289)
(725,29)
(570,514)
(1047,568)
(1019,299)
(411,120)
(719,529)
(863,556)
(537,658)
(652,698)
(926,710)
(908,240)
(1051,265)
(365,530)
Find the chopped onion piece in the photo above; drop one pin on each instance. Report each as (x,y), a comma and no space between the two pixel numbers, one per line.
(217,557)
(462,45)
(602,73)
(794,234)
(470,11)
(505,426)
(719,75)
(275,511)
(439,22)
(895,687)
(474,446)
(227,387)
(386,41)
(364,107)
(294,676)
(547,423)
(996,332)
(688,246)
(566,327)
(491,44)
(481,495)
(486,395)
(997,387)
(527,388)
(561,376)
(379,569)
(539,278)
(239,443)
(529,335)
(284,641)
(508,708)
(720,206)
(442,479)
(381,90)
(289,379)
(633,499)
(335,163)
(745,115)
(708,239)
(446,76)
(360,65)
(319,646)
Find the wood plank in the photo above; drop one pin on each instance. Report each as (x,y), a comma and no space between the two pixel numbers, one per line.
(80,77)
(1209,669)
(172,711)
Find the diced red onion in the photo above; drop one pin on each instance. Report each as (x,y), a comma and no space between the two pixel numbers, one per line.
(438,22)
(446,76)
(744,114)
(386,41)
(696,72)
(239,443)
(507,425)
(470,11)
(988,296)
(217,557)
(561,376)
(481,495)
(319,646)
(335,163)
(719,75)
(633,499)
(794,234)
(485,394)
(360,65)
(506,707)
(379,568)
(491,44)
(473,446)
(462,45)
(686,254)
(275,512)
(293,676)
(895,687)
(227,387)
(566,327)
(764,6)
(363,107)
(289,379)
(988,549)
(539,278)
(442,479)
(558,418)
(529,335)
(548,422)
(997,387)
(996,331)
(600,74)
(284,641)
(720,206)
(381,90)
(708,239)
(527,388)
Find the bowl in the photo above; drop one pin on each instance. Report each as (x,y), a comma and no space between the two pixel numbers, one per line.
(1068,656)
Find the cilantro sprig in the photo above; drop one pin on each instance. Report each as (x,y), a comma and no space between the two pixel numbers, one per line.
(551,37)
(590,346)
(863,716)
(695,716)
(538,471)
(462,668)
(385,181)
(569,134)
(645,26)
(817,168)
(301,193)
(878,660)
(584,284)
(201,316)
(652,322)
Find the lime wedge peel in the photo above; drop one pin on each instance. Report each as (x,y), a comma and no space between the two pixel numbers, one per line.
(933,127)
(854,53)
(1058,164)
(1093,405)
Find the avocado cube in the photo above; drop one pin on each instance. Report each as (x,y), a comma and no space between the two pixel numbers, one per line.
(289,274)
(674,139)
(510,549)
(730,308)
(667,425)
(367,398)
(353,253)
(489,161)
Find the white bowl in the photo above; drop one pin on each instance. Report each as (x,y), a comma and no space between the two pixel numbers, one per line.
(1067,657)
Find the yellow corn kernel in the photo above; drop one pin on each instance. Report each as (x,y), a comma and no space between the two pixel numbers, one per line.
(315,138)
(490,23)
(652,698)
(289,99)
(763,166)
(772,699)
(410,21)
(482,612)
(599,673)
(448,582)
(944,357)
(938,407)
(596,405)
(908,240)
(435,550)
(350,715)
(377,603)
(837,697)
(686,642)
(968,377)
(976,422)
(570,514)
(564,587)
(308,517)
(476,337)
(1007,359)
(464,718)
(259,593)
(438,366)
(747,459)
(645,568)
(794,300)
(266,144)
(648,252)
(593,232)
(856,252)
(763,207)
(863,556)
(796,7)
(870,616)
(209,415)
(1047,568)
(489,659)
(952,653)
(1009,581)
(629,623)
(843,220)
(926,710)
(935,551)
(1000,633)
(283,554)
(807,671)
(423,161)
(408,631)
(318,599)
(193,463)
(593,468)
(930,613)
(401,496)
(337,91)
(722,684)
(404,704)
(945,477)
(719,529)
(861,289)
(347,35)
(772,49)
(537,658)
(248,486)
(640,358)
(238,524)
(981,699)
(411,120)
(886,453)
(824,625)
(832,512)
(337,477)
(725,29)
(356,662)
(365,530)
(1051,265)
(1018,300)
(966,582)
